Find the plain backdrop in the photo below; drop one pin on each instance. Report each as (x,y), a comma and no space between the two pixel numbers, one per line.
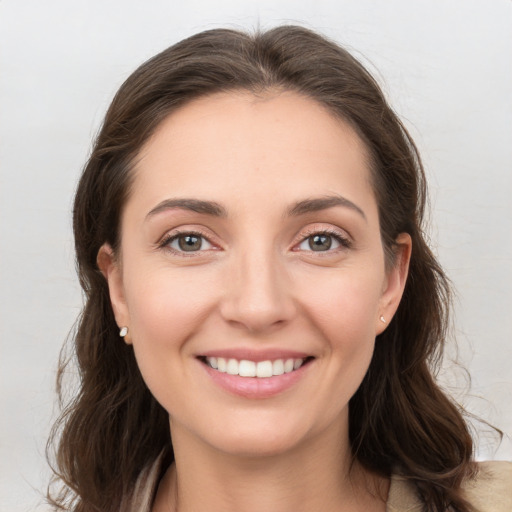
(446,66)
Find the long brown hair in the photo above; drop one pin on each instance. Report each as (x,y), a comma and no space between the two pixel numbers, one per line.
(400,420)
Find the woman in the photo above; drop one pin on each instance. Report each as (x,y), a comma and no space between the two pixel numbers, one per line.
(250,224)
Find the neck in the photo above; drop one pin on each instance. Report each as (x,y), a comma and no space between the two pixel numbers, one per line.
(318,475)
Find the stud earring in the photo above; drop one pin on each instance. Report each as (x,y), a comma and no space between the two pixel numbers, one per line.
(123,332)
(382,319)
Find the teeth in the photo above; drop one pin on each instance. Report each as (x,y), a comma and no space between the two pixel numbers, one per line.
(221,364)
(232,367)
(278,367)
(264,369)
(247,368)
(260,369)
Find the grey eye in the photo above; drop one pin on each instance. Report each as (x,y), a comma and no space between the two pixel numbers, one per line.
(319,242)
(190,243)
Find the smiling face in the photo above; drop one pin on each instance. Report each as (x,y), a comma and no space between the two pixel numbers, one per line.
(251,273)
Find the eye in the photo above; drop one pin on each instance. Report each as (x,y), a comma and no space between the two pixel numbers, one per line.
(188,242)
(323,242)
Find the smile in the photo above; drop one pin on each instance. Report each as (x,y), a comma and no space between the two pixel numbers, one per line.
(259,369)
(256,374)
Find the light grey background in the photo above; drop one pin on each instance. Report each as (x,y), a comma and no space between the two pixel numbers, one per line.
(446,66)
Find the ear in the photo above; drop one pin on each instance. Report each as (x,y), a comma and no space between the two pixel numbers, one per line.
(394,284)
(111,270)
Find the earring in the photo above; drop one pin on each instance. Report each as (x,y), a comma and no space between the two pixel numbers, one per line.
(382,319)
(123,332)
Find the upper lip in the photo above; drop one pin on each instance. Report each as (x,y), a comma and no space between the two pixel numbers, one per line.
(255,355)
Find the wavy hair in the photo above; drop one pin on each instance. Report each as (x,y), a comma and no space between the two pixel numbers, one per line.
(400,421)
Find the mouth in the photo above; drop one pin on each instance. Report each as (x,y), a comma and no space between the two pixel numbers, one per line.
(255,369)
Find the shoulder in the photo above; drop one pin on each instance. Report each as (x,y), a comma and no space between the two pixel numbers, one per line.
(490,490)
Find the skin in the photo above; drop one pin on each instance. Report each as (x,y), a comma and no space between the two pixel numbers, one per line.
(255,283)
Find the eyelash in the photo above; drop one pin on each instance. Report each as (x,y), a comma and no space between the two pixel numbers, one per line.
(171,237)
(345,243)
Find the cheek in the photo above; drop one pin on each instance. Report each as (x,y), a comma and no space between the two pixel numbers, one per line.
(344,303)
(164,306)
(165,310)
(343,310)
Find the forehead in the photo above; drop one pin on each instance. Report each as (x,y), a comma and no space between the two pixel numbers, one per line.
(237,143)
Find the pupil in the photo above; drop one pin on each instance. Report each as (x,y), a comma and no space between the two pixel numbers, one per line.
(189,243)
(320,242)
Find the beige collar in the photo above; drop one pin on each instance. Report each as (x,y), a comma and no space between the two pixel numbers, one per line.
(490,491)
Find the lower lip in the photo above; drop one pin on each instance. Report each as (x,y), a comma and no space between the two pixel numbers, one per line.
(256,387)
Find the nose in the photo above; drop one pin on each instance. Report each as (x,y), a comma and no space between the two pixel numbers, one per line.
(258,293)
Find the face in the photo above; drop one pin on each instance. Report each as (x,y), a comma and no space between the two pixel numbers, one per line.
(251,273)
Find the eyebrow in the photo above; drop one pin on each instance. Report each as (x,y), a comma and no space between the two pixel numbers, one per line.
(322,203)
(215,209)
(194,205)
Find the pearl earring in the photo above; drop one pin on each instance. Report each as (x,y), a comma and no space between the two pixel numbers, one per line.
(123,332)
(382,319)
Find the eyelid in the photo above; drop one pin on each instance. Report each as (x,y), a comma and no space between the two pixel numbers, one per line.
(344,239)
(175,233)
(341,235)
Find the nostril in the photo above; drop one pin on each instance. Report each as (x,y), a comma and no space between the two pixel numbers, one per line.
(257,294)
(256,316)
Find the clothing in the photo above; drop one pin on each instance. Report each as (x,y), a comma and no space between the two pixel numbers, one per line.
(490,491)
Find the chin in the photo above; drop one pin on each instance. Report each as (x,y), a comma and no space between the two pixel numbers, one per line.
(256,445)
(261,436)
